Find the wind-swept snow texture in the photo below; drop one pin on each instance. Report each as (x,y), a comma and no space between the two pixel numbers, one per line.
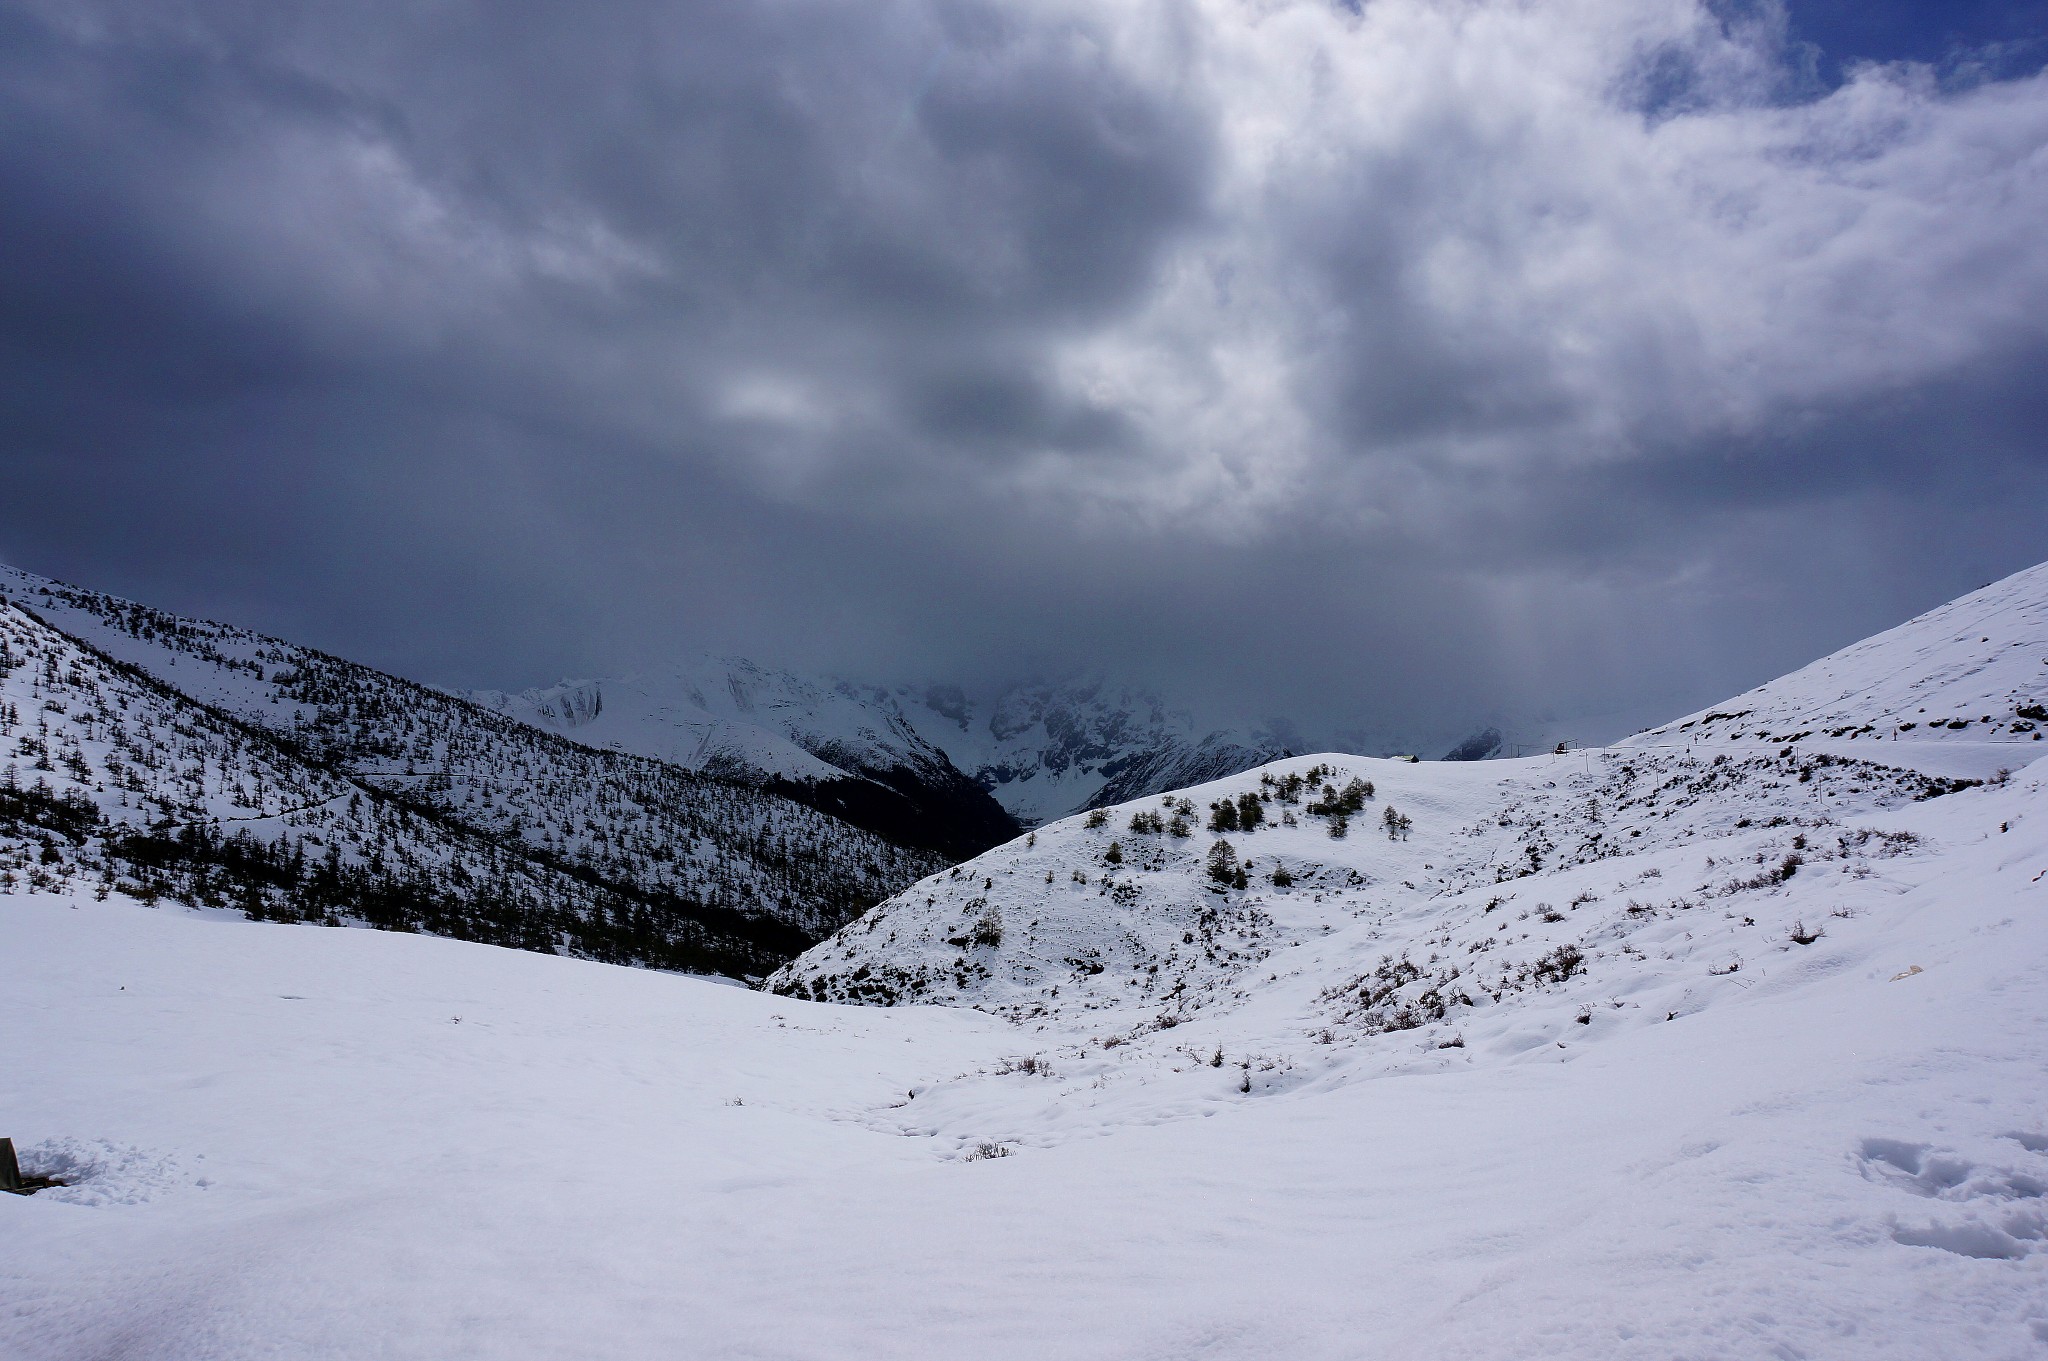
(1711,1048)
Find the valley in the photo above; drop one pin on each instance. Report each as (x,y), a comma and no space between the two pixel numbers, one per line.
(1723,1041)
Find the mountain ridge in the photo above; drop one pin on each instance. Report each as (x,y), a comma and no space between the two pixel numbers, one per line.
(997,763)
(824,742)
(1175,902)
(414,792)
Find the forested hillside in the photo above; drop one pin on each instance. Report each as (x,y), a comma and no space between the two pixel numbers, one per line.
(204,762)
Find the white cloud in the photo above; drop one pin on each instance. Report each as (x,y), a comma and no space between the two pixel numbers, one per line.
(1451,232)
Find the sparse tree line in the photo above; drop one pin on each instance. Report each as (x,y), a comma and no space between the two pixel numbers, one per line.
(1249,811)
(1313,791)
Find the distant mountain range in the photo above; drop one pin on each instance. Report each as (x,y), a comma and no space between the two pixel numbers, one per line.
(955,770)
(837,747)
(984,768)
(721,816)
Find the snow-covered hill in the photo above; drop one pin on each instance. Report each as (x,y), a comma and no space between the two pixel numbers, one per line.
(1178,902)
(1970,678)
(193,731)
(1497,873)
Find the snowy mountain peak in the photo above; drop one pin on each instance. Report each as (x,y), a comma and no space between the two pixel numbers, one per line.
(700,718)
(734,717)
(1049,749)
(572,704)
(1035,751)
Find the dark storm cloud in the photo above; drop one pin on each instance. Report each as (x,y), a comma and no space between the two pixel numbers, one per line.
(1457,354)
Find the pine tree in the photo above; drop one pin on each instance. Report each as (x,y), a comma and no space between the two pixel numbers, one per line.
(1223,866)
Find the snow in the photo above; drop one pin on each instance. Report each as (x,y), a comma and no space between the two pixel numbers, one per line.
(719,713)
(155,719)
(1786,1101)
(1047,750)
(1952,680)
(332,1142)
(1041,750)
(1589,834)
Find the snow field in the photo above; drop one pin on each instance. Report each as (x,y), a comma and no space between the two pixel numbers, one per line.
(322,1161)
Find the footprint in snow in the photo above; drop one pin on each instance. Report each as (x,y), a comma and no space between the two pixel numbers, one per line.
(2002,1214)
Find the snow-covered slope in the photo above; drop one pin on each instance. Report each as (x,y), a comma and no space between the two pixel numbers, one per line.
(1028,752)
(341,1144)
(1128,907)
(654,863)
(1495,868)
(671,718)
(1969,677)
(113,782)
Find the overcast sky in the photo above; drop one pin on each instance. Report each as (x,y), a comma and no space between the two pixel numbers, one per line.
(1384,362)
